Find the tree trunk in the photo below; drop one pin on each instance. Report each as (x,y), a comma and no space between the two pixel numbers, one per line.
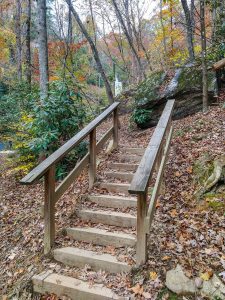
(18,40)
(94,51)
(27,45)
(189,29)
(129,39)
(203,54)
(43,49)
(70,26)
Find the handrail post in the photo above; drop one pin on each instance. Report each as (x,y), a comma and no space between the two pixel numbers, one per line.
(141,232)
(49,210)
(92,162)
(115,128)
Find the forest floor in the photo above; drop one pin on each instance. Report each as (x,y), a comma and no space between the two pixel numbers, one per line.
(185,231)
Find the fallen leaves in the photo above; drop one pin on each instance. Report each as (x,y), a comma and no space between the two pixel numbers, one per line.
(206,275)
(153,275)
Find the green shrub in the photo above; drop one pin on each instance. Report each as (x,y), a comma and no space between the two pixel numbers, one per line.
(141,116)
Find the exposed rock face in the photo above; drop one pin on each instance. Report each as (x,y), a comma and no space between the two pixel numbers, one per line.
(179,283)
(185,85)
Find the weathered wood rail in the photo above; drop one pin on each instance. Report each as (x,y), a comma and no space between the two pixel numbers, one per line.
(154,159)
(47,168)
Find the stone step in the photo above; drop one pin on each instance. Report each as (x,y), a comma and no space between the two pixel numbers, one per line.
(75,289)
(120,175)
(136,151)
(123,166)
(102,237)
(107,217)
(113,201)
(79,258)
(115,187)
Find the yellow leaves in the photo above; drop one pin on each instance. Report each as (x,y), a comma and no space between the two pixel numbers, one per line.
(153,275)
(207,275)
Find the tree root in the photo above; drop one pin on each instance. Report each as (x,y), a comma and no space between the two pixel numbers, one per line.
(217,175)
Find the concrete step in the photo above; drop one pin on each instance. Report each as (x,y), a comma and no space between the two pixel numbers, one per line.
(75,289)
(129,158)
(116,188)
(113,201)
(120,175)
(101,237)
(79,258)
(136,151)
(107,217)
(123,166)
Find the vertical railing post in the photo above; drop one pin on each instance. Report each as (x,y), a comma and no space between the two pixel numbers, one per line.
(141,232)
(49,210)
(92,161)
(115,128)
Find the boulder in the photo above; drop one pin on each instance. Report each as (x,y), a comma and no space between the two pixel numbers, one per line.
(183,84)
(179,283)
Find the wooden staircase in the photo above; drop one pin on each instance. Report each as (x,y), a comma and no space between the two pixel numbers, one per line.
(106,211)
(109,215)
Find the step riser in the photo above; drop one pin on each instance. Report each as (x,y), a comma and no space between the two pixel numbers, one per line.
(73,288)
(105,239)
(129,158)
(134,151)
(107,218)
(122,176)
(115,188)
(97,262)
(114,203)
(123,167)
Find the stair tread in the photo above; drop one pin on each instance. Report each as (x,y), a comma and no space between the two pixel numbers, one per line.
(80,257)
(61,285)
(102,236)
(104,212)
(105,200)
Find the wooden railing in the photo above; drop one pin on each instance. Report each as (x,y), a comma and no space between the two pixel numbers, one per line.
(47,168)
(154,159)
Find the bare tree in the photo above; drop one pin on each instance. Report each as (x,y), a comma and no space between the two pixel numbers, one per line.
(43,48)
(94,51)
(129,38)
(189,28)
(18,39)
(203,53)
(27,43)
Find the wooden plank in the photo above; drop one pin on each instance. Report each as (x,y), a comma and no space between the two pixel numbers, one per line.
(141,234)
(49,210)
(115,128)
(64,185)
(157,185)
(39,171)
(92,158)
(144,172)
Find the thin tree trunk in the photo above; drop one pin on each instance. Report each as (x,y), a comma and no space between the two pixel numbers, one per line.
(163,30)
(43,49)
(27,44)
(120,18)
(204,62)
(189,29)
(70,26)
(94,51)
(18,40)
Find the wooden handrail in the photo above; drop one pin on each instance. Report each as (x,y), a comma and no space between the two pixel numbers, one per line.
(47,168)
(154,159)
(141,178)
(41,169)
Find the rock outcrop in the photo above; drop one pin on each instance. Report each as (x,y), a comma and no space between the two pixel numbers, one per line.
(184,85)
